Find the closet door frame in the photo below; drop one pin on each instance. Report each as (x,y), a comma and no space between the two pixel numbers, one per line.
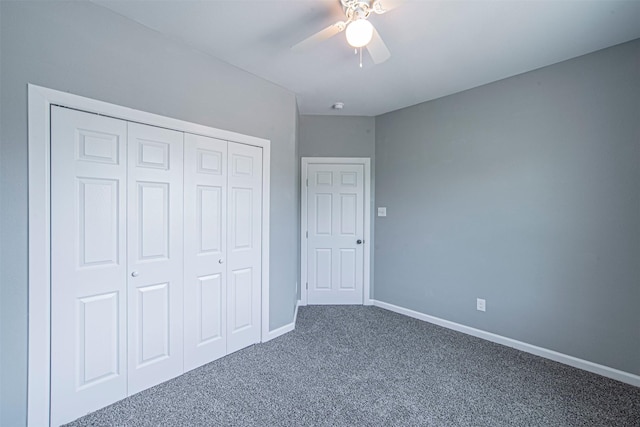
(40,100)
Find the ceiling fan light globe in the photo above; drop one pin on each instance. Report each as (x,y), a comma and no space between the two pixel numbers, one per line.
(359,33)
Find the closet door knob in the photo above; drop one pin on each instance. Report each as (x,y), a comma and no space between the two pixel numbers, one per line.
(220,261)
(134,274)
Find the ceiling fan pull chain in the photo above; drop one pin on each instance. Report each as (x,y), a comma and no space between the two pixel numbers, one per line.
(360,57)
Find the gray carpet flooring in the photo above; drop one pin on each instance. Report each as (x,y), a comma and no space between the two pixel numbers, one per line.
(364,366)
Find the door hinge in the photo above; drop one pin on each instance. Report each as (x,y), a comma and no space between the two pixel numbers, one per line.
(306,234)
(307,182)
(307,286)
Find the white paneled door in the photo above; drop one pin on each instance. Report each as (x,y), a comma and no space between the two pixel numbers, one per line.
(244,228)
(335,233)
(88,263)
(205,277)
(156,255)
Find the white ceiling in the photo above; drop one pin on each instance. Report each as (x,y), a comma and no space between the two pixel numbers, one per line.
(437,47)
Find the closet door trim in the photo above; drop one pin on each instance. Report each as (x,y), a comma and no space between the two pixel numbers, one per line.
(40,100)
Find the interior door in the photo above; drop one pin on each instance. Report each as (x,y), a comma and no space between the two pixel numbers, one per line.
(155,255)
(335,222)
(244,245)
(205,242)
(88,263)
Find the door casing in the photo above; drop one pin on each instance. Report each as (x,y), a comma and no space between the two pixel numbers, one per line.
(366,162)
(40,100)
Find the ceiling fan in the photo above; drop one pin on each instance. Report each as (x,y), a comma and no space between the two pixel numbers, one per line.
(360,32)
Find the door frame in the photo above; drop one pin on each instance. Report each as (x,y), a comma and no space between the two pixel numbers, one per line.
(40,100)
(366,162)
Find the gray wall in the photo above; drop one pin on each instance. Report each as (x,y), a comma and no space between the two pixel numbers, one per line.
(337,136)
(87,50)
(341,136)
(525,192)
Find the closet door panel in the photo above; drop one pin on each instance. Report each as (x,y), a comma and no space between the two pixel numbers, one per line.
(244,231)
(155,255)
(205,241)
(88,263)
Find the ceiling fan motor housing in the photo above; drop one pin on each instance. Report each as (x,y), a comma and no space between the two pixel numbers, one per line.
(356,9)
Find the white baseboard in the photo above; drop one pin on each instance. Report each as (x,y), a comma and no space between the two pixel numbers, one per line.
(295,314)
(606,371)
(284,329)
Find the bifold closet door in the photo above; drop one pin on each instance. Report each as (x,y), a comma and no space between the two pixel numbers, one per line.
(116,257)
(155,255)
(223,248)
(205,242)
(88,263)
(244,247)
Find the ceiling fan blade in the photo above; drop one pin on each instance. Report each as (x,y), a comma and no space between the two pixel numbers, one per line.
(383,6)
(377,49)
(321,35)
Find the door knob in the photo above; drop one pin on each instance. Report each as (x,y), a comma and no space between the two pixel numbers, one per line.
(359,241)
(134,274)
(220,261)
